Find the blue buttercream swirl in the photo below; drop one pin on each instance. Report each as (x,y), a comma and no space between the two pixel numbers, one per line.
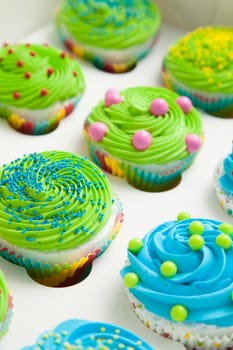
(226,180)
(80,334)
(204,280)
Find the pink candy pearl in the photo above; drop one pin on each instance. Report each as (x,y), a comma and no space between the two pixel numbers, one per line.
(185,103)
(159,106)
(193,142)
(112,97)
(97,131)
(141,140)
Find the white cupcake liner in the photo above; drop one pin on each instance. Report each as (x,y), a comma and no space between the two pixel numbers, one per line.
(225,200)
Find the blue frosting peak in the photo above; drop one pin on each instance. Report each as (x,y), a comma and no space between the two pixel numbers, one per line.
(226,181)
(82,335)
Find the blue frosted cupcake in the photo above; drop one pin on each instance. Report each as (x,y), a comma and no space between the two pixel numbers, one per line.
(223,183)
(82,335)
(179,280)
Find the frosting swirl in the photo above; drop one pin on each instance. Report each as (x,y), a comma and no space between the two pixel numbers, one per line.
(82,335)
(226,180)
(173,270)
(36,76)
(53,200)
(130,112)
(203,60)
(110,24)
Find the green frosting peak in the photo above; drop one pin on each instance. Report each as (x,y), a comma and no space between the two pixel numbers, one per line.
(110,24)
(37,76)
(52,201)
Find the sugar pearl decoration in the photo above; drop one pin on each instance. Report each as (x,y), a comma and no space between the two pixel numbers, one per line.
(159,106)
(193,142)
(112,97)
(97,131)
(141,140)
(185,103)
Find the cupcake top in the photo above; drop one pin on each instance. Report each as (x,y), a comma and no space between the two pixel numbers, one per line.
(145,125)
(203,59)
(82,335)
(110,24)
(182,271)
(4,297)
(37,76)
(226,180)
(52,201)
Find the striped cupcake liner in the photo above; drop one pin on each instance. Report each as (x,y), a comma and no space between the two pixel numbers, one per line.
(219,105)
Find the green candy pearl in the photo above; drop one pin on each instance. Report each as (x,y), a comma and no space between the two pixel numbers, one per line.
(223,240)
(196,242)
(183,215)
(168,269)
(135,245)
(131,279)
(178,313)
(226,228)
(196,228)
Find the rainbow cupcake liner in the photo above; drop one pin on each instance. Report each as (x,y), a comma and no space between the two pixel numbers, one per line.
(193,337)
(38,127)
(57,275)
(215,104)
(4,325)
(100,63)
(146,178)
(225,200)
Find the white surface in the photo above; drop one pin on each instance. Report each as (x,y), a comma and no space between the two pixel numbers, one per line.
(101,296)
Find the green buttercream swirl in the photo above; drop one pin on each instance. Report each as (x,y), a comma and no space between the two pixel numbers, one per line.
(124,119)
(52,201)
(203,60)
(3,297)
(62,84)
(110,24)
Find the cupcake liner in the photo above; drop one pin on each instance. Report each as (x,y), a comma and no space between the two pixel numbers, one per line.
(38,127)
(151,178)
(225,200)
(54,275)
(99,57)
(219,105)
(192,336)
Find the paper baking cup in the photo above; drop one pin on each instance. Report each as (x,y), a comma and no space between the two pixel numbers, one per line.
(219,105)
(151,178)
(68,273)
(192,336)
(225,200)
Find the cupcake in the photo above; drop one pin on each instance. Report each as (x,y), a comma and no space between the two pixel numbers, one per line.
(6,305)
(148,135)
(58,213)
(199,66)
(40,85)
(179,280)
(223,183)
(113,35)
(82,335)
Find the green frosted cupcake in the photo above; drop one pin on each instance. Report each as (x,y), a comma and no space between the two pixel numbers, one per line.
(40,85)
(147,135)
(113,35)
(58,213)
(199,66)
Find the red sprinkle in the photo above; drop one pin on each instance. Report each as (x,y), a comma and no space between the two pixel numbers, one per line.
(20,63)
(10,51)
(5,44)
(75,74)
(43,92)
(50,71)
(27,75)
(32,53)
(16,95)
(63,55)
(28,45)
